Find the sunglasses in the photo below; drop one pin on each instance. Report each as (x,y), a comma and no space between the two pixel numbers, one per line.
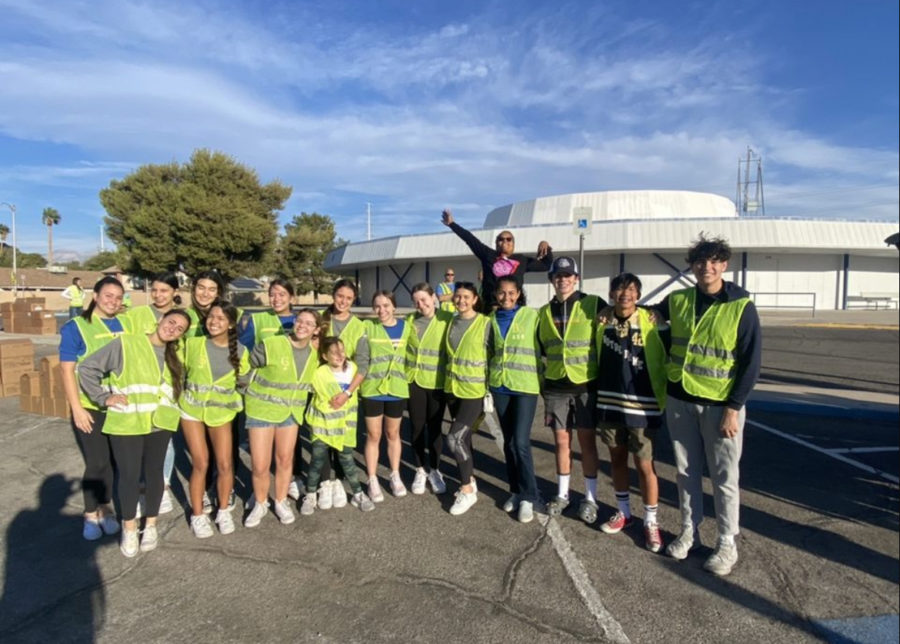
(449,274)
(504,239)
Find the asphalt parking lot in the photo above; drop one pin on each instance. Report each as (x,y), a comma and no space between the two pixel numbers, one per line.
(819,547)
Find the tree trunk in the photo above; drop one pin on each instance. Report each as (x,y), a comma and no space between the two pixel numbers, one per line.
(50,245)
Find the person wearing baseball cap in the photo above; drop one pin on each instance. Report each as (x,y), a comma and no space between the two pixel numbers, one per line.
(566,329)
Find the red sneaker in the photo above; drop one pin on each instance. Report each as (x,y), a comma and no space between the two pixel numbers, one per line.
(652,538)
(617,523)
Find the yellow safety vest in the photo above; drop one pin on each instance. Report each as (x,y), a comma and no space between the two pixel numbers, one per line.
(654,355)
(141,381)
(95,335)
(276,391)
(467,364)
(213,402)
(334,427)
(386,375)
(426,360)
(703,355)
(516,361)
(574,356)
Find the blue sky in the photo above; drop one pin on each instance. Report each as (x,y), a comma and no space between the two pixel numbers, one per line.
(417,106)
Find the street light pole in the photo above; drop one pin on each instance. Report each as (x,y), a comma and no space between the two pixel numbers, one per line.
(12,210)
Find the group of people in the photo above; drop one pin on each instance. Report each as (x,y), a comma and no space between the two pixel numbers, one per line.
(612,368)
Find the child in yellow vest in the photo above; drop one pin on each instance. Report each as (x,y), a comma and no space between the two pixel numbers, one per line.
(331,417)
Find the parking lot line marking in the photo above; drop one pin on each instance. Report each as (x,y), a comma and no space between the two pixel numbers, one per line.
(611,628)
(862,450)
(826,452)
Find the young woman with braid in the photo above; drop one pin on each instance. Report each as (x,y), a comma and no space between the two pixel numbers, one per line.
(276,402)
(215,367)
(339,322)
(426,362)
(137,378)
(79,338)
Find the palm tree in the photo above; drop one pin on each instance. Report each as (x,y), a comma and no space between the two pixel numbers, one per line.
(50,218)
(4,231)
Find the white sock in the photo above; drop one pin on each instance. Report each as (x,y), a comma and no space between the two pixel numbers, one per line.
(726,539)
(563,482)
(590,486)
(624,504)
(650,514)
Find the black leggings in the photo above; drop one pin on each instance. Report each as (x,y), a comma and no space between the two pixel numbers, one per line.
(464,412)
(132,453)
(97,481)
(426,417)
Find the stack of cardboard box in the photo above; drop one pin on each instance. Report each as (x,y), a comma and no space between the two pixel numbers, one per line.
(28,315)
(42,391)
(16,359)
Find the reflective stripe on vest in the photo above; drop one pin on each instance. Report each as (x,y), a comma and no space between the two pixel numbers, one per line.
(573,357)
(467,364)
(213,402)
(703,355)
(387,365)
(334,427)
(654,355)
(276,391)
(426,360)
(516,361)
(140,381)
(95,335)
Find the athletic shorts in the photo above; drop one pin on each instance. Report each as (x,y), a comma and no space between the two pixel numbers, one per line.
(638,439)
(390,408)
(570,411)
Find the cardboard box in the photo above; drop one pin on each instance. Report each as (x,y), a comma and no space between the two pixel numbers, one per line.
(29,304)
(16,348)
(51,377)
(6,307)
(10,388)
(30,384)
(16,366)
(31,404)
(60,408)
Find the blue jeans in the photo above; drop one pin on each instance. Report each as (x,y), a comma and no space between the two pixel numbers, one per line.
(516,414)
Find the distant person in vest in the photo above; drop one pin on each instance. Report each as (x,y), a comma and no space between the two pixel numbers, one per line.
(566,329)
(514,379)
(75,295)
(712,368)
(444,291)
(631,397)
(277,320)
(79,338)
(501,260)
(137,378)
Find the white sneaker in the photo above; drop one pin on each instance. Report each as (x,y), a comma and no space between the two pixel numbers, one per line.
(363,502)
(309,504)
(723,559)
(109,525)
(283,512)
(201,526)
(688,540)
(149,539)
(397,487)
(436,480)
(326,498)
(375,492)
(526,512)
(418,484)
(166,505)
(511,503)
(464,501)
(225,521)
(260,509)
(130,544)
(338,494)
(296,489)
(92,530)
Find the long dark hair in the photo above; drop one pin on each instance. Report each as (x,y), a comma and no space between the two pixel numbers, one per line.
(173,354)
(231,313)
(169,279)
(109,279)
(325,344)
(212,275)
(341,283)
(512,279)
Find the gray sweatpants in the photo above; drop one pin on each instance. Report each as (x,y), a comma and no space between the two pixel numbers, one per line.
(694,430)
